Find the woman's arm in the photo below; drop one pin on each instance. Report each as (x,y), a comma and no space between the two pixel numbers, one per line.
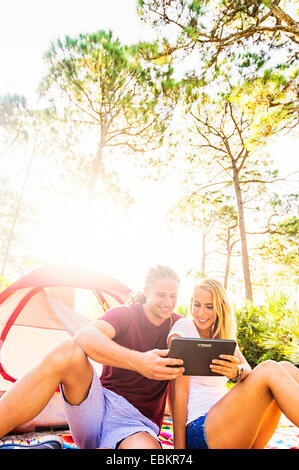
(243,363)
(178,394)
(179,410)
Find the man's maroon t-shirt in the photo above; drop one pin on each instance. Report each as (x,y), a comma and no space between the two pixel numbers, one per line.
(134,331)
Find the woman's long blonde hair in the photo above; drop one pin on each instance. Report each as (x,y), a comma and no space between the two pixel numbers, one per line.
(225,324)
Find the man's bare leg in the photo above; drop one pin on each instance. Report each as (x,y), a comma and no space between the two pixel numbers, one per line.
(67,364)
(140,440)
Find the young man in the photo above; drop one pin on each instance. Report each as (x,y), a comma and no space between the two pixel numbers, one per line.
(125,408)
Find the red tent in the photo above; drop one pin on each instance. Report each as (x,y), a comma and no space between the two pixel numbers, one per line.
(42,309)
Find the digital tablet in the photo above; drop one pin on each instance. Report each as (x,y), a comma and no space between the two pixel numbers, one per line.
(198,354)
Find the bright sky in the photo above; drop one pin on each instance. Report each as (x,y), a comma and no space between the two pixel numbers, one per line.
(26,33)
(140,238)
(28,27)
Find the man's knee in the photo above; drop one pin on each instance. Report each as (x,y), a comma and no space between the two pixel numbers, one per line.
(140,440)
(68,355)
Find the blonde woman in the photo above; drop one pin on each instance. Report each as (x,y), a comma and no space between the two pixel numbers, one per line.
(207,415)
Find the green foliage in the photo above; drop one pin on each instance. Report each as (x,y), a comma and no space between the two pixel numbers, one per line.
(4,283)
(269,331)
(99,84)
(283,243)
(196,7)
(13,109)
(223,26)
(182,310)
(266,99)
(107,81)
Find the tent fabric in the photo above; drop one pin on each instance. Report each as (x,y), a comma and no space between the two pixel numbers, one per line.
(65,276)
(44,308)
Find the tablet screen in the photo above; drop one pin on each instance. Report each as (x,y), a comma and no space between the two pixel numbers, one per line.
(198,354)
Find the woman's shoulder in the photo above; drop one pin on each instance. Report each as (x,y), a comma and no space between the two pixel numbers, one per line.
(183,326)
(185,320)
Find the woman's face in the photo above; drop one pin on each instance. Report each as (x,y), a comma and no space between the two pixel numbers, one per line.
(161,299)
(202,311)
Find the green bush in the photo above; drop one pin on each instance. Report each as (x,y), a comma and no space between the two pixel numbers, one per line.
(4,283)
(182,310)
(269,331)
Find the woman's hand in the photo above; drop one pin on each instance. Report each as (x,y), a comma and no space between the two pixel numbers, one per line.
(227,366)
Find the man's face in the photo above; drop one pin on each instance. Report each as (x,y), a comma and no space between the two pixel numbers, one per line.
(161,300)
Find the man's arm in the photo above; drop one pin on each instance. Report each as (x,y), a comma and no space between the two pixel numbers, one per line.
(96,340)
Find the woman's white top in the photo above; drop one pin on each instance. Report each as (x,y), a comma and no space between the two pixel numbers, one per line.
(204,391)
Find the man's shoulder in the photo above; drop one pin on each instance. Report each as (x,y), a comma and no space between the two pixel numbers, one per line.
(121,317)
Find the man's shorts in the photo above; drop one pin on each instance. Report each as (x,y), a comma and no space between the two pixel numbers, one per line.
(104,418)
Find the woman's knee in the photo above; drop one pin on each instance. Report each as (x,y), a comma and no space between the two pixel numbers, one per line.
(285,364)
(269,363)
(266,367)
(290,368)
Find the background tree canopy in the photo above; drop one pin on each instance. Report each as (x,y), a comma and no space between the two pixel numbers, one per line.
(239,91)
(197,108)
(218,27)
(107,88)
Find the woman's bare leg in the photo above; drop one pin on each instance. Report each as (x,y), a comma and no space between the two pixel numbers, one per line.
(66,364)
(237,419)
(290,369)
(273,414)
(268,426)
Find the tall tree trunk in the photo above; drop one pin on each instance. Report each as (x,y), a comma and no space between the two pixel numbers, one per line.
(229,249)
(97,166)
(243,239)
(96,169)
(228,256)
(203,254)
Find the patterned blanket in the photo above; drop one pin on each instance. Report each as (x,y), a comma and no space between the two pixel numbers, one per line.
(286,436)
